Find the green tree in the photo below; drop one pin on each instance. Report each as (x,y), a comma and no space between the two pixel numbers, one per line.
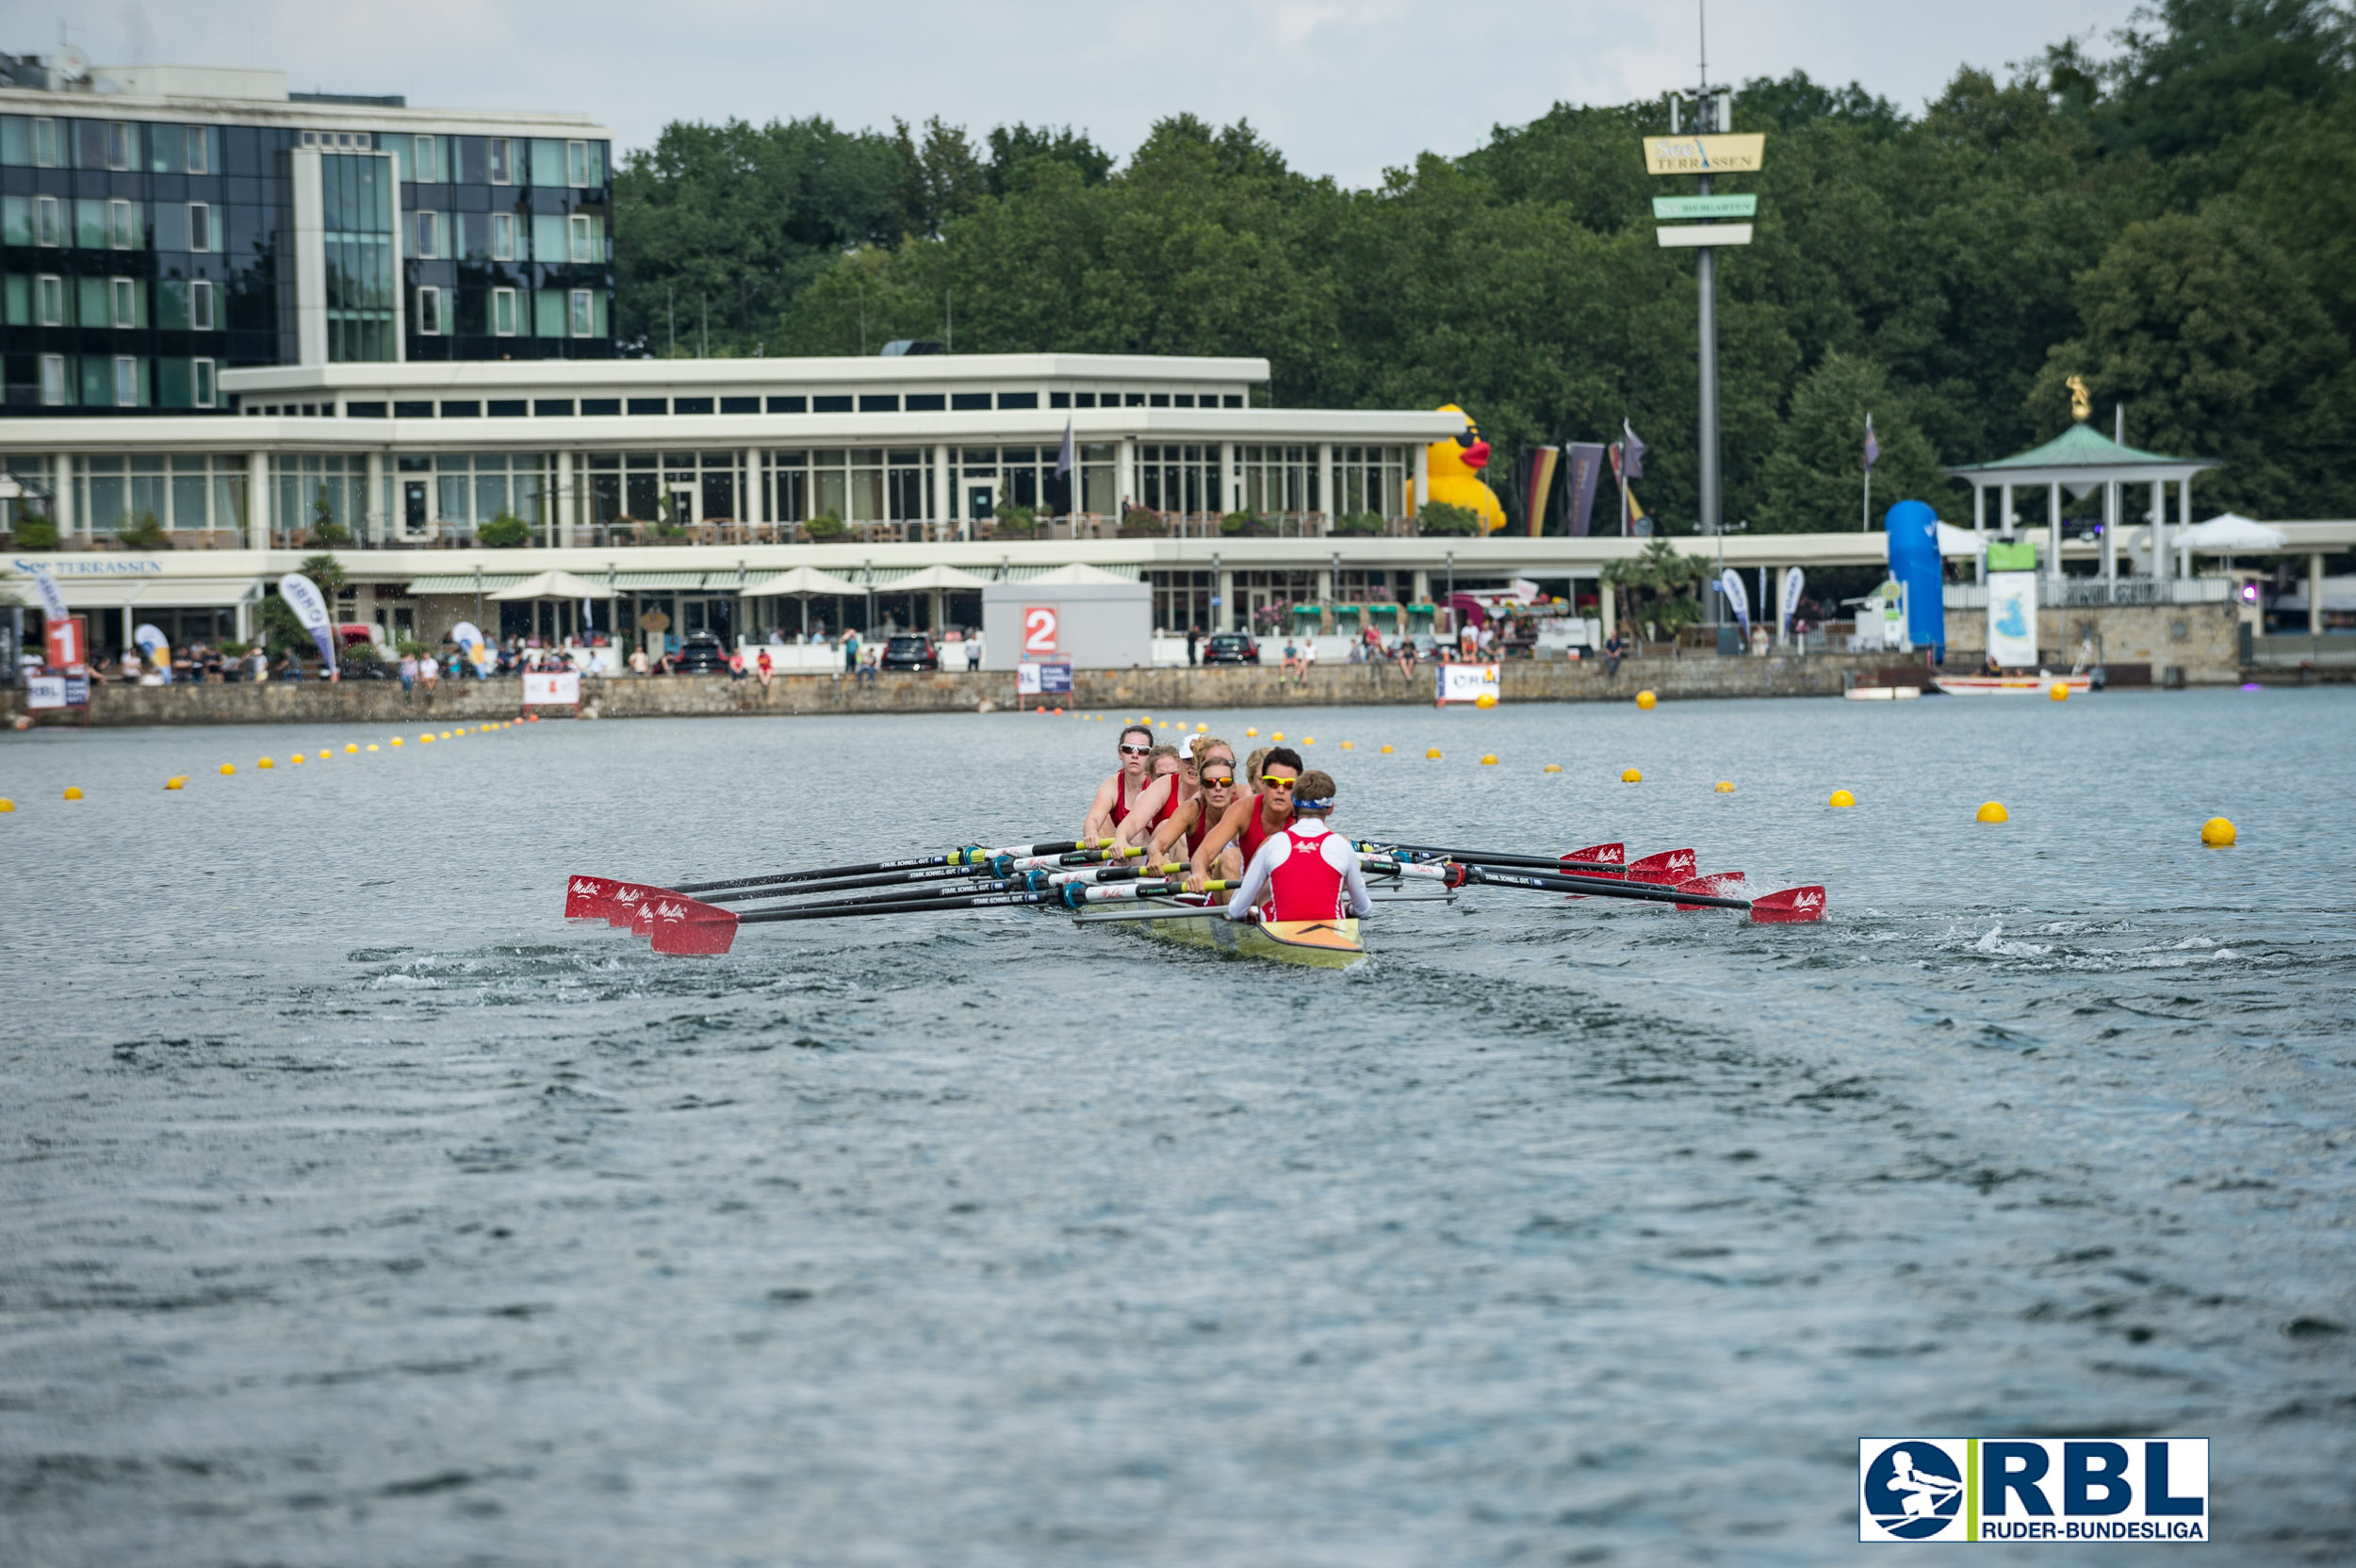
(1816,479)
(2209,334)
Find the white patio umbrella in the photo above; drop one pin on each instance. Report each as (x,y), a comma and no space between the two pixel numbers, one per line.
(2230,532)
(553,585)
(802,582)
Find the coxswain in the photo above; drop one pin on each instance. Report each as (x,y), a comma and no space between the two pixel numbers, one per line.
(1254,818)
(1184,832)
(1158,802)
(1304,870)
(1117,795)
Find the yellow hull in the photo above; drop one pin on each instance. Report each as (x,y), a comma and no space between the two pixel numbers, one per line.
(1320,944)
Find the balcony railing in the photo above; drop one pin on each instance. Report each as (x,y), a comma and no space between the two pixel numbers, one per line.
(2088,593)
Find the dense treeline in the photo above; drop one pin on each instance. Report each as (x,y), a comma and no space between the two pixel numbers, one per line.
(2177,223)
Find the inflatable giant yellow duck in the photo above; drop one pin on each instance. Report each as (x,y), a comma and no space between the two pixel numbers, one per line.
(1455,465)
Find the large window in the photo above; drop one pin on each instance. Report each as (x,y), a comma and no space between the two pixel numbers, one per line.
(1279,480)
(1370,479)
(184,494)
(125,231)
(356,207)
(1181,479)
(849,483)
(130,382)
(474,489)
(307,489)
(1183,600)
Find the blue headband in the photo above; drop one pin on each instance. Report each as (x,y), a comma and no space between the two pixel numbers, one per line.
(1325,805)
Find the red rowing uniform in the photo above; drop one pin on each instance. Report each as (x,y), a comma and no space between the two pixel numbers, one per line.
(1307,884)
(1254,834)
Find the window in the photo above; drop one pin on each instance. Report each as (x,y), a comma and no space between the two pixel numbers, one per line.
(502,157)
(53,373)
(201,305)
(123,297)
(969,399)
(124,230)
(830,402)
(119,137)
(504,313)
(583,238)
(639,407)
(740,406)
(576,163)
(789,405)
(45,157)
(200,154)
(502,237)
(203,388)
(429,236)
(585,314)
(552,408)
(428,313)
(425,165)
(200,226)
(602,405)
(690,405)
(879,402)
(126,382)
(925,403)
(49,301)
(48,221)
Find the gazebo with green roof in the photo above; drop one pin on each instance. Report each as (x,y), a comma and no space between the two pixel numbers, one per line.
(2077,460)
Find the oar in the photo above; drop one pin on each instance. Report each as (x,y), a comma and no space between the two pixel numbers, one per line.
(1790,905)
(1604,858)
(969,857)
(977,882)
(616,902)
(685,925)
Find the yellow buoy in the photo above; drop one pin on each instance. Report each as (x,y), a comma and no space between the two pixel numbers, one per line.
(178,780)
(228,768)
(73,792)
(445,734)
(266,762)
(396,740)
(2216,833)
(1645,700)
(1726,786)
(1203,729)
(1554,767)
(1346,746)
(1841,798)
(1308,740)
(1251,734)
(1629,775)
(372,745)
(1994,811)
(6,805)
(353,750)
(1486,699)
(1488,758)
(1432,755)
(2060,691)
(1277,736)
(296,760)
(425,739)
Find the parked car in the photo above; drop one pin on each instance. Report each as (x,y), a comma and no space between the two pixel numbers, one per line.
(911,651)
(1231,647)
(702,653)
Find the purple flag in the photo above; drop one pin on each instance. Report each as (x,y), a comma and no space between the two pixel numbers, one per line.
(1873,448)
(1586,468)
(1632,453)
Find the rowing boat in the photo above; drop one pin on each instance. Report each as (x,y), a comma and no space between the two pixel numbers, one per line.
(1317,943)
(2010,685)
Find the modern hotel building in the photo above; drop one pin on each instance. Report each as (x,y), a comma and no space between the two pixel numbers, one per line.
(240,320)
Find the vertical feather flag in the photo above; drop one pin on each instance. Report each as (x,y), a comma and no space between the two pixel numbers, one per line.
(1586,469)
(1541,488)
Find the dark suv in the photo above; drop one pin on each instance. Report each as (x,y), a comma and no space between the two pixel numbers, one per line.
(701,654)
(911,651)
(1231,647)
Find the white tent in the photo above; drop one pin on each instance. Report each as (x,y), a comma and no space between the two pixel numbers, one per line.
(802,581)
(1955,542)
(2230,532)
(933,577)
(1079,572)
(554,585)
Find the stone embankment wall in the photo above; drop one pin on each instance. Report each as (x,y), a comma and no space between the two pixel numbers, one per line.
(1143,690)
(2201,640)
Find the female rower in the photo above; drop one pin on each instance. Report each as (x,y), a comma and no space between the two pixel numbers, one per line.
(1252,818)
(1183,833)
(1118,794)
(1155,804)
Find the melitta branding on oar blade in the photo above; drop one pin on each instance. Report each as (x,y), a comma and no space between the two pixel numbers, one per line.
(628,899)
(1791,907)
(2142,1489)
(1718,884)
(1668,868)
(1597,855)
(683,927)
(588,898)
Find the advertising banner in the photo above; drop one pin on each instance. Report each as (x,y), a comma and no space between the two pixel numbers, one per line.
(303,597)
(551,689)
(2150,1490)
(1738,598)
(1044,678)
(2012,618)
(1467,682)
(1586,460)
(1793,581)
(471,647)
(44,691)
(68,639)
(52,597)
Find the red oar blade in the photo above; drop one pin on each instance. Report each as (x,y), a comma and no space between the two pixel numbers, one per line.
(1791,907)
(1718,884)
(628,899)
(1595,854)
(683,927)
(1668,868)
(589,898)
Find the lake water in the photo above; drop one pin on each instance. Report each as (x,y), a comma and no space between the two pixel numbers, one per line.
(355,1210)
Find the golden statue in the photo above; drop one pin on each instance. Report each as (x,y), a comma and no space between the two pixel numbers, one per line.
(2081,400)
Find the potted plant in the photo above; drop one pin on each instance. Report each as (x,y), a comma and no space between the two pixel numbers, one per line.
(1142,522)
(826,527)
(505,531)
(1445,517)
(36,532)
(1016,522)
(1359,524)
(1245,522)
(145,535)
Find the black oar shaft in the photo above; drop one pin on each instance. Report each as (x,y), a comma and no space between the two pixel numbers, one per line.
(1649,892)
(873,866)
(986,901)
(844,884)
(974,883)
(1482,857)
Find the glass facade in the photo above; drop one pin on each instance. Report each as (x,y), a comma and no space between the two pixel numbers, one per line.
(1181,479)
(185,494)
(139,258)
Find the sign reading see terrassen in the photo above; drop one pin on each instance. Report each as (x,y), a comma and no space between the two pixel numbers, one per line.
(1704,155)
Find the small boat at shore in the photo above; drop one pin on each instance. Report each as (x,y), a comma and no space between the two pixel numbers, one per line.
(2036,685)
(1882,693)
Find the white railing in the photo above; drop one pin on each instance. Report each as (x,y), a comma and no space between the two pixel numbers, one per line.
(2082,593)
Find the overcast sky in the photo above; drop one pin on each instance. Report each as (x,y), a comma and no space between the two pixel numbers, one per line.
(1345,88)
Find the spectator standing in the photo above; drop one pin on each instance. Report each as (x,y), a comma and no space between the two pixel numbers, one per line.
(638,660)
(1194,635)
